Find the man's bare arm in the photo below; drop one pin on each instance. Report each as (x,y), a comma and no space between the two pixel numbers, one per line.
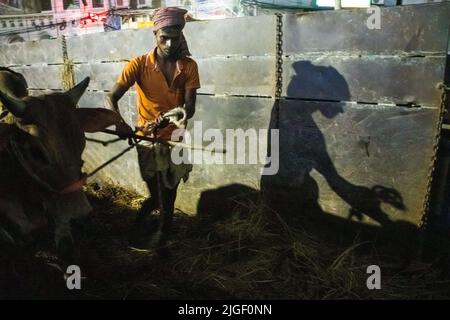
(190,97)
(112,100)
(114,96)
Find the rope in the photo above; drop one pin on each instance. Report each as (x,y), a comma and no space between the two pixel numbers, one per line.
(134,139)
(111,160)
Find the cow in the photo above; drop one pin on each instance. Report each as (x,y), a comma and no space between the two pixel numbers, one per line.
(41,178)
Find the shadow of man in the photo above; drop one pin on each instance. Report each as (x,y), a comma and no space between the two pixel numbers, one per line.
(322,93)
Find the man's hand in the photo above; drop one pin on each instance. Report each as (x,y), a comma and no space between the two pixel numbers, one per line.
(161,122)
(177,116)
(123,129)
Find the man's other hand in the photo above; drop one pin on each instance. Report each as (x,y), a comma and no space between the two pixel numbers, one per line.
(161,122)
(124,130)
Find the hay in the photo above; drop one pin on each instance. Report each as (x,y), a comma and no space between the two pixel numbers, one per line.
(67,74)
(250,255)
(253,256)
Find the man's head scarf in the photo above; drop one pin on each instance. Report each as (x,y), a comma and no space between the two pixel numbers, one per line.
(169,17)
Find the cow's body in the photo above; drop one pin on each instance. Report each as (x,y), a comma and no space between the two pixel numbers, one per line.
(40,160)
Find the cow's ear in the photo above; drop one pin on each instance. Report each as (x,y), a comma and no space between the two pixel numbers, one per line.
(76,92)
(96,119)
(16,106)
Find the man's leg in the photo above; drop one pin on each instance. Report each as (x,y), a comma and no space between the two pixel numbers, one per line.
(151,203)
(169,207)
(140,229)
(168,197)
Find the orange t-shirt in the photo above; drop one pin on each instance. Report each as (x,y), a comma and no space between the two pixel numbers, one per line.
(154,95)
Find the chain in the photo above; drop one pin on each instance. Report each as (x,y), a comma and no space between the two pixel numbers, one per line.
(279,65)
(68,77)
(279,57)
(64,49)
(431,169)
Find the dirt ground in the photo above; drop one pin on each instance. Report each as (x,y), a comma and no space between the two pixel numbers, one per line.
(253,253)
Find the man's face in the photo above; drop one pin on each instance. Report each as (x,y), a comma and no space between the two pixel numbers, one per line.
(168,41)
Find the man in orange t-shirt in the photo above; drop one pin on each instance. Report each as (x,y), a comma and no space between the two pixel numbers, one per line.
(164,78)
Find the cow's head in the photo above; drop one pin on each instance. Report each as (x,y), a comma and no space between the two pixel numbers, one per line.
(48,141)
(51,138)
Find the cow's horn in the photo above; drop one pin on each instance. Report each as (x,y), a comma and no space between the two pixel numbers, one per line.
(76,92)
(16,106)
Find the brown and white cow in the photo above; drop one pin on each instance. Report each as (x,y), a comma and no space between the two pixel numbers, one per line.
(41,174)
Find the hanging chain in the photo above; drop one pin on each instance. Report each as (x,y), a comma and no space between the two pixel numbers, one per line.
(431,169)
(279,56)
(279,66)
(64,49)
